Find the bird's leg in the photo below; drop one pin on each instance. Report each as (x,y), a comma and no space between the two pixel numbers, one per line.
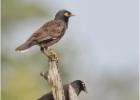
(42,49)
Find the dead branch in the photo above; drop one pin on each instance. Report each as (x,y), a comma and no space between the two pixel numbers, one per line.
(54,79)
(53,75)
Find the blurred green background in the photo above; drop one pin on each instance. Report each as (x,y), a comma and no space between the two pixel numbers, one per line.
(100,47)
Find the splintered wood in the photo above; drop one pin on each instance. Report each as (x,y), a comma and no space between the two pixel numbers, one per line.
(72,94)
(55,80)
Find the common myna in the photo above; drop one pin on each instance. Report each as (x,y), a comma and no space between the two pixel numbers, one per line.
(78,86)
(50,33)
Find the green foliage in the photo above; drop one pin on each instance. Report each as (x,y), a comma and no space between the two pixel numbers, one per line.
(15,10)
(20,77)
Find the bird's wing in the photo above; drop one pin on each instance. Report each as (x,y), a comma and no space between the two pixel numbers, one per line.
(66,91)
(48,31)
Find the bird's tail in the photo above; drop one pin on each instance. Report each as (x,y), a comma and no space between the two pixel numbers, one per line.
(24,46)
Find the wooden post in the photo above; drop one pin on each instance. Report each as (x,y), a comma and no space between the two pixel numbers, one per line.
(54,79)
(53,75)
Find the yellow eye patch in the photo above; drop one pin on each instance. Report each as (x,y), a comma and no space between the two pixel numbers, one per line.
(66,14)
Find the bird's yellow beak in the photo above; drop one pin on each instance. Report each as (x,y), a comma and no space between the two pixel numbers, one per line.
(68,14)
(86,91)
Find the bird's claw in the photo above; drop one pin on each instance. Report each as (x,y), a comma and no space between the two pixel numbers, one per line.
(52,55)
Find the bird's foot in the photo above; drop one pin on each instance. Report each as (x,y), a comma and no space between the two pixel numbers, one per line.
(52,55)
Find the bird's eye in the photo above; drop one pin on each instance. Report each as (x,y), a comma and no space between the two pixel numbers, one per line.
(83,84)
(66,14)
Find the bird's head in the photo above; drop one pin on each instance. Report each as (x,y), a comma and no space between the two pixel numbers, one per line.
(63,15)
(81,85)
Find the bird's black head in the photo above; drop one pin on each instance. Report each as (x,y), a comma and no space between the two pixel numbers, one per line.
(63,15)
(80,84)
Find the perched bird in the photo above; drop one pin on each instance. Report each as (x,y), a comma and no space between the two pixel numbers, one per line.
(50,33)
(78,86)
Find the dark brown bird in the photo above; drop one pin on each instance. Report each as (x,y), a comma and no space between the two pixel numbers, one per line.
(50,32)
(78,86)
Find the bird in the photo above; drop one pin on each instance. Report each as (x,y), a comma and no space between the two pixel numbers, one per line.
(77,85)
(50,33)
